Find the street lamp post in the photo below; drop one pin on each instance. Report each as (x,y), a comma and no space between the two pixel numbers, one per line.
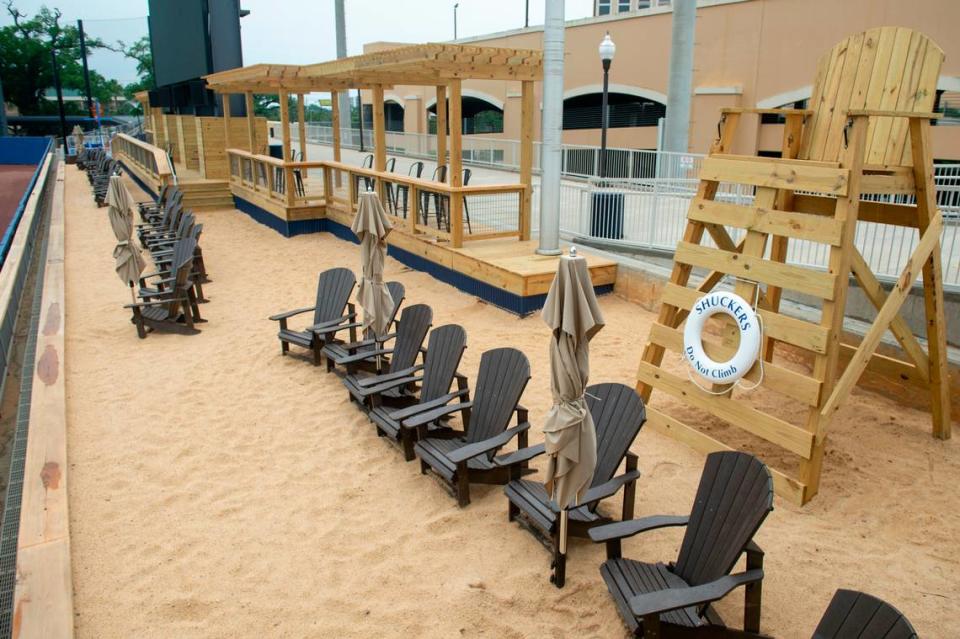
(455,6)
(607,50)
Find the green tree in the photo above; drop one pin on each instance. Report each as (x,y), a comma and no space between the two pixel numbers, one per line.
(27,70)
(140,52)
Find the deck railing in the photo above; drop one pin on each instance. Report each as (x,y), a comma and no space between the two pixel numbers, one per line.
(448,213)
(147,157)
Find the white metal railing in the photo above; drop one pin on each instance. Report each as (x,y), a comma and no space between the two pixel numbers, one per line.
(651,215)
(656,190)
(102,137)
(500,153)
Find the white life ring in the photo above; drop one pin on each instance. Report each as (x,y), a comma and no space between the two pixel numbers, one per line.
(745,318)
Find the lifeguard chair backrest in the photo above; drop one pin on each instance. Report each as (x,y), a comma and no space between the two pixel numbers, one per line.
(887,68)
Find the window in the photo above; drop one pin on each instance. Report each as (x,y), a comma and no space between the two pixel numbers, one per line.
(643,4)
(623,6)
(603,7)
(584,111)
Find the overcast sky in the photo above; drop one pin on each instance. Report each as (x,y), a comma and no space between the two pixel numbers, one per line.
(302,31)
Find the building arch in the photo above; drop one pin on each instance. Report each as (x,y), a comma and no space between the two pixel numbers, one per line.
(624,89)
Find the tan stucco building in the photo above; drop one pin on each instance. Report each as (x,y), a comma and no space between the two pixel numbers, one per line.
(759,53)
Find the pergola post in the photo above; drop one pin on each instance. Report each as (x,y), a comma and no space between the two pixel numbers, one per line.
(226,132)
(379,136)
(288,189)
(335,125)
(441,125)
(226,120)
(526,157)
(456,164)
(302,126)
(251,123)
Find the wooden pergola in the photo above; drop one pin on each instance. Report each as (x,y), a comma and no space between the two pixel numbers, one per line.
(443,66)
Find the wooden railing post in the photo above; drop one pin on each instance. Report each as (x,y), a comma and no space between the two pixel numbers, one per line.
(456,164)
(414,208)
(327,184)
(335,125)
(379,138)
(526,158)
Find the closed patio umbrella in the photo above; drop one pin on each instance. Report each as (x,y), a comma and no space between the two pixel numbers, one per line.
(129,261)
(372,226)
(78,138)
(573,315)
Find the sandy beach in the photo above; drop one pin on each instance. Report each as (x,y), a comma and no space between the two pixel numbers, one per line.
(221,490)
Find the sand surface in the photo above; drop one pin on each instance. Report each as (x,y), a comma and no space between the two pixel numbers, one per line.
(218,489)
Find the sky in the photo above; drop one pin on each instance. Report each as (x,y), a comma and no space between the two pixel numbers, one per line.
(302,31)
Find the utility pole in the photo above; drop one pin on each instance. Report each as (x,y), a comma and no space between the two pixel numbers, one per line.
(526,18)
(343,101)
(86,71)
(455,7)
(676,135)
(551,129)
(56,84)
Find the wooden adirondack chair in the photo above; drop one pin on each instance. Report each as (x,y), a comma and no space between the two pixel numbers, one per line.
(343,354)
(412,329)
(867,132)
(174,308)
(618,415)
(333,299)
(444,350)
(734,497)
(857,615)
(503,374)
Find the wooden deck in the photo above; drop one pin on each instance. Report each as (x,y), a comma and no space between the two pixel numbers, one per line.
(484,267)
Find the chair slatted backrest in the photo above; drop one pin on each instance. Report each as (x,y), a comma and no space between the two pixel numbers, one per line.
(618,414)
(886,68)
(412,329)
(857,615)
(183,264)
(444,350)
(503,375)
(333,292)
(398,292)
(734,497)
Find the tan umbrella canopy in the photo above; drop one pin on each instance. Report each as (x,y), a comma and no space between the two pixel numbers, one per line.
(129,261)
(573,315)
(372,226)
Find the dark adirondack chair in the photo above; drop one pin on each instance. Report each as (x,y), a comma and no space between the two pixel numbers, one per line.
(152,206)
(444,350)
(333,298)
(655,599)
(163,258)
(174,309)
(412,329)
(618,415)
(154,215)
(503,374)
(343,354)
(857,615)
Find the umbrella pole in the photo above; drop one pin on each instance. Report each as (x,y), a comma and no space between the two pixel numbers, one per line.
(133,295)
(559,576)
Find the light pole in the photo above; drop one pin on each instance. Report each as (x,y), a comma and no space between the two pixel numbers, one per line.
(455,6)
(607,50)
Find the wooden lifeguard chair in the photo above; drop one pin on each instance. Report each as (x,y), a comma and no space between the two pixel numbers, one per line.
(867,132)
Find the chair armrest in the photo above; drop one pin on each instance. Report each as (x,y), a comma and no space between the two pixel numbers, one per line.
(622,529)
(359,357)
(881,113)
(333,325)
(404,414)
(432,415)
(519,456)
(766,111)
(152,303)
(286,314)
(353,346)
(375,389)
(606,489)
(479,448)
(675,598)
(406,374)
